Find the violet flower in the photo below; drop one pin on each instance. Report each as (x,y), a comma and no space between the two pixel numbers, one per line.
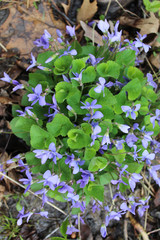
(131,111)
(7,78)
(103,230)
(91,106)
(71,31)
(101,86)
(33,62)
(153,173)
(138,43)
(94,61)
(44,40)
(26,112)
(157,117)
(71,229)
(86,176)
(27,181)
(143,207)
(123,127)
(72,52)
(44,197)
(148,157)
(21,215)
(115,36)
(95,135)
(47,154)
(36,96)
(119,144)
(50,180)
(131,139)
(103,26)
(133,180)
(150,80)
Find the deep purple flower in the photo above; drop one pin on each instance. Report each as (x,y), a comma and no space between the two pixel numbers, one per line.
(103,231)
(147,156)
(157,117)
(44,40)
(131,111)
(150,80)
(65,188)
(21,215)
(7,78)
(72,52)
(26,112)
(33,62)
(48,154)
(131,139)
(27,181)
(36,96)
(71,31)
(138,43)
(101,86)
(71,229)
(103,26)
(133,180)
(86,176)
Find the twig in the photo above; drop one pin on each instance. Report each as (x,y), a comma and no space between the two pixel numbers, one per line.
(2,46)
(12,180)
(79,226)
(125,226)
(156,230)
(151,68)
(108,6)
(146,213)
(138,227)
(125,10)
(148,183)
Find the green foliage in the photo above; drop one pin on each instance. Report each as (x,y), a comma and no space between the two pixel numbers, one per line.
(62,65)
(109,69)
(153,6)
(97,163)
(126,57)
(78,139)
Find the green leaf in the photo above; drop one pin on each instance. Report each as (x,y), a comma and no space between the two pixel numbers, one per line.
(134,72)
(107,100)
(56,195)
(149,93)
(31,159)
(39,137)
(96,191)
(77,65)
(36,78)
(60,125)
(88,75)
(78,139)
(42,57)
(77,46)
(86,127)
(36,186)
(63,228)
(133,88)
(134,167)
(121,99)
(123,187)
(57,238)
(109,69)
(126,57)
(63,90)
(107,177)
(21,127)
(97,163)
(62,65)
(119,155)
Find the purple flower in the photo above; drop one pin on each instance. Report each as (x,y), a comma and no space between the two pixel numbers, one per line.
(146,138)
(7,78)
(44,197)
(50,180)
(27,181)
(71,31)
(72,197)
(71,229)
(148,157)
(26,112)
(73,163)
(96,206)
(106,139)
(131,111)
(18,86)
(96,115)
(43,214)
(100,86)
(131,139)
(48,154)
(112,215)
(150,80)
(44,40)
(95,135)
(53,106)
(36,96)
(115,36)
(119,144)
(94,61)
(21,215)
(72,52)
(91,106)
(123,127)
(138,43)
(157,117)
(64,188)
(153,173)
(33,62)
(103,26)
(133,180)
(103,231)
(86,175)
(135,153)
(78,77)
(142,208)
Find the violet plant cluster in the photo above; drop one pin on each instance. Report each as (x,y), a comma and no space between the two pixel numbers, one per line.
(91,118)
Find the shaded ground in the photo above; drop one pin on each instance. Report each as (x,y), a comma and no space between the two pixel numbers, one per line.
(17,22)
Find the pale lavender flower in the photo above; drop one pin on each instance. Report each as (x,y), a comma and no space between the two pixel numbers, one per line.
(71,31)
(53,106)
(153,173)
(91,106)
(103,26)
(96,206)
(131,111)
(18,86)
(138,43)
(95,135)
(44,40)
(115,36)
(123,127)
(146,156)
(101,86)
(94,61)
(27,181)
(103,230)
(157,117)
(131,139)
(135,153)
(112,215)
(48,154)
(37,96)
(44,197)
(7,78)
(135,177)
(50,180)
(78,77)
(26,112)
(106,139)
(65,188)
(150,80)
(71,229)
(72,197)
(119,144)
(33,62)
(21,215)
(146,138)
(72,52)
(143,207)
(86,176)
(96,115)
(43,214)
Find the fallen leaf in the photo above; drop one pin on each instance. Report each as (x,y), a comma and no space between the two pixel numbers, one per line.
(66,7)
(157,198)
(87,10)
(155,60)
(91,33)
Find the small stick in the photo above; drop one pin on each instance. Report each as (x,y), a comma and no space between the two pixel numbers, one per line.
(2,46)
(156,230)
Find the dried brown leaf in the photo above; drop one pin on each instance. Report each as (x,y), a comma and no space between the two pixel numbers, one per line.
(6,100)
(66,7)
(155,60)
(87,10)
(91,33)
(157,198)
